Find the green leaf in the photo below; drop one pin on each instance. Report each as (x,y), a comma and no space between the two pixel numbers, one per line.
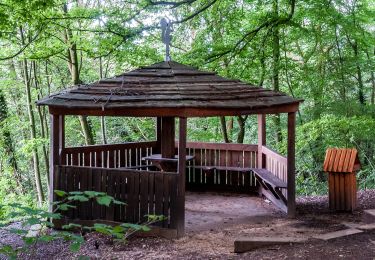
(29,240)
(71,226)
(75,246)
(47,238)
(60,193)
(65,207)
(18,231)
(104,200)
(33,221)
(83,257)
(117,202)
(79,198)
(75,193)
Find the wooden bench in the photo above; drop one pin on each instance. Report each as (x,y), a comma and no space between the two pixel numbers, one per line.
(209,168)
(272,186)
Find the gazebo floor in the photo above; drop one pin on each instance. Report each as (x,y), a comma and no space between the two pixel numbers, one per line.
(215,211)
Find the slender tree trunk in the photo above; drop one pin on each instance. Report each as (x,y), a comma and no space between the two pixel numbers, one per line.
(41,120)
(343,88)
(276,67)
(73,65)
(241,133)
(224,129)
(38,182)
(102,119)
(361,96)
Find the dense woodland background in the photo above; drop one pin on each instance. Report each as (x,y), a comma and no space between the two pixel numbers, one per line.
(319,50)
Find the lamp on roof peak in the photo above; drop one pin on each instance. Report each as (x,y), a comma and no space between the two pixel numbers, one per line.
(166,27)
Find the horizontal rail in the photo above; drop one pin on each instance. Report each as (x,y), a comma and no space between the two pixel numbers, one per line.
(107,147)
(222,146)
(269,152)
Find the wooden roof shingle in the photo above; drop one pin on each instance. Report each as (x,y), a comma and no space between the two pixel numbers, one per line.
(168,89)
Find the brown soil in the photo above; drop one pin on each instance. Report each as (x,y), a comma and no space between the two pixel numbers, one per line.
(214,221)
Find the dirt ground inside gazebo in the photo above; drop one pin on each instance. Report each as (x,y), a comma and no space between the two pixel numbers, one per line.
(214,221)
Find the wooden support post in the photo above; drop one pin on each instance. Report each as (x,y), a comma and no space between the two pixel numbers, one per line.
(167,137)
(158,135)
(57,143)
(182,177)
(261,140)
(291,178)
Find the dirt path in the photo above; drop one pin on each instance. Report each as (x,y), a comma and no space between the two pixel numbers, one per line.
(215,221)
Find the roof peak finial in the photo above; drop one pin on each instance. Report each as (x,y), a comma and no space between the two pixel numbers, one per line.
(166,27)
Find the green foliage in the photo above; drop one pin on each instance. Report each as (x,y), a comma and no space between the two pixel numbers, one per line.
(39,221)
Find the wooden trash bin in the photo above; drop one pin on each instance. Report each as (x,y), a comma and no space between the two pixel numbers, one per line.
(341,166)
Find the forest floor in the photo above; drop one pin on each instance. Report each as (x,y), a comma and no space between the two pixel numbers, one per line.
(214,221)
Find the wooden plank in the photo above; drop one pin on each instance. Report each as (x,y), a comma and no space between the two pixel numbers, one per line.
(337,191)
(291,190)
(166,198)
(136,196)
(221,146)
(168,137)
(124,196)
(143,192)
(89,188)
(173,202)
(268,177)
(261,140)
(342,190)
(98,148)
(341,160)
(97,183)
(159,195)
(109,214)
(331,190)
(326,160)
(331,160)
(83,179)
(151,193)
(351,162)
(337,160)
(131,200)
(54,156)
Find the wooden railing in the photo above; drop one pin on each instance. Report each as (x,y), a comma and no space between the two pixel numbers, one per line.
(225,155)
(107,156)
(206,154)
(145,192)
(276,164)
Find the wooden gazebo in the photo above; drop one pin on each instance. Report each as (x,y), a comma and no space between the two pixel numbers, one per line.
(152,176)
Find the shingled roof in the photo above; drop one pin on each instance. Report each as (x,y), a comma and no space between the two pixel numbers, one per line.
(168,89)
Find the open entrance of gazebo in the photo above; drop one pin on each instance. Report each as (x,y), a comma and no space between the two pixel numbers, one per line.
(151,177)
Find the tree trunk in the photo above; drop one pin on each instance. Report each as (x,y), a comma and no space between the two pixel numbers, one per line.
(224,129)
(30,112)
(102,119)
(361,96)
(41,120)
(276,67)
(241,133)
(73,65)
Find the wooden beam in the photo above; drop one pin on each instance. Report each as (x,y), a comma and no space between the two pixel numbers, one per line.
(291,178)
(158,135)
(167,137)
(55,139)
(77,109)
(182,177)
(261,140)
